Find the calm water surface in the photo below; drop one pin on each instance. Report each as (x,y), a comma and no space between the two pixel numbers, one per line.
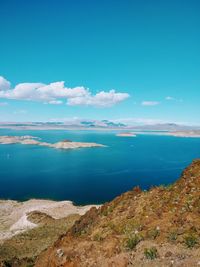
(91,175)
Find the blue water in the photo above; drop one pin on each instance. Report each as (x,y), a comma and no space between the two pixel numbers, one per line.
(91,175)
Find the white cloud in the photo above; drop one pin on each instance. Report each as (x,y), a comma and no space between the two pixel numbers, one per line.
(56,93)
(101,99)
(171,98)
(150,103)
(4,84)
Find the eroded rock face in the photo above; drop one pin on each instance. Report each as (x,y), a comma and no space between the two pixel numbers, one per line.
(164,222)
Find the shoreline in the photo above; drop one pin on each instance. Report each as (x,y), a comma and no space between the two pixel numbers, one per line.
(49,199)
(14,214)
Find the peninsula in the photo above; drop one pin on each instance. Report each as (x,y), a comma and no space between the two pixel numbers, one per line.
(185,133)
(17,217)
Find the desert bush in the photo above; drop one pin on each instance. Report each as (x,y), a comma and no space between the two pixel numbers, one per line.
(132,241)
(151,253)
(169,187)
(107,211)
(190,240)
(97,237)
(173,236)
(152,234)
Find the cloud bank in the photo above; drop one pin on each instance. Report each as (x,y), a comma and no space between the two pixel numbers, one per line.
(56,93)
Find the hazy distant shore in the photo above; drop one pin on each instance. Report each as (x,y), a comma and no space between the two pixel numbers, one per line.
(169,129)
(185,134)
(98,125)
(193,134)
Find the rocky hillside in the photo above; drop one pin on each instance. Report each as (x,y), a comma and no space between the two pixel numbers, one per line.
(160,227)
(22,249)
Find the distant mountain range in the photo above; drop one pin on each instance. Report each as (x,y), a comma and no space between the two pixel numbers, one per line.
(100,124)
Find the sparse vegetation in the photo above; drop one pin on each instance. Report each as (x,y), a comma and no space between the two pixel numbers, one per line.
(29,244)
(169,187)
(107,210)
(97,237)
(190,240)
(152,234)
(151,253)
(132,241)
(173,236)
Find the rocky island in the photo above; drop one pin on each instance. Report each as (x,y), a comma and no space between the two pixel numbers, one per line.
(127,134)
(31,140)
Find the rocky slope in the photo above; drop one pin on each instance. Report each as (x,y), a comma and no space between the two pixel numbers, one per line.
(29,227)
(160,227)
(15,219)
(21,250)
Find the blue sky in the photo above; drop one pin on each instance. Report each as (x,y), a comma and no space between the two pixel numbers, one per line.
(133,60)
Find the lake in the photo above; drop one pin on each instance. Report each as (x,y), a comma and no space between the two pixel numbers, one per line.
(91,175)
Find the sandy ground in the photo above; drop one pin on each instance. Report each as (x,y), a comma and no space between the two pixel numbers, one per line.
(13,214)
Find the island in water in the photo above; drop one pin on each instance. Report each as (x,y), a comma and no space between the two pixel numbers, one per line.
(126,134)
(31,140)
